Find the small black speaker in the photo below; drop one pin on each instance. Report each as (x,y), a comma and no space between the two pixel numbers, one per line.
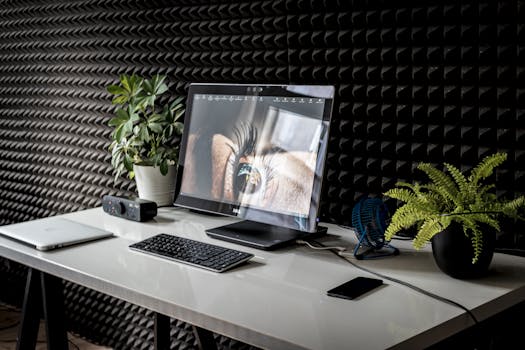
(135,209)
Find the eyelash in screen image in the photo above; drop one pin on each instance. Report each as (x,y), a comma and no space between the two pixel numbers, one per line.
(250,176)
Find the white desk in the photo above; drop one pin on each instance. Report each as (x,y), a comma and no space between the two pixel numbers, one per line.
(278,300)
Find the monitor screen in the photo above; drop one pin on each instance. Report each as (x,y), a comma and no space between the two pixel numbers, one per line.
(256,152)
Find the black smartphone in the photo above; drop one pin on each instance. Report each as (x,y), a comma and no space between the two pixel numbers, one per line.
(354,288)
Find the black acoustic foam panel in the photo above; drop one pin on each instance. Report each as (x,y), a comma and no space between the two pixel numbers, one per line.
(416,81)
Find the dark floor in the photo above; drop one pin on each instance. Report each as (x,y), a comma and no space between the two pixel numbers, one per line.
(9,321)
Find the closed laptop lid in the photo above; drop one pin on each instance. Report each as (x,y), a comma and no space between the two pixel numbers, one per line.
(51,233)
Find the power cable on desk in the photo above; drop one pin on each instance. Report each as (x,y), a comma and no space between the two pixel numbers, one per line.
(403,238)
(72,343)
(340,252)
(398,237)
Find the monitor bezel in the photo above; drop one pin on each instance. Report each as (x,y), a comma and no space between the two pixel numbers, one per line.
(233,210)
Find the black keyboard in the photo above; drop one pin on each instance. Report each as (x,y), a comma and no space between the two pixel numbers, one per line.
(208,256)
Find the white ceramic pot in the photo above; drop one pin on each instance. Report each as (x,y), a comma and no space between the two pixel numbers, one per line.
(154,186)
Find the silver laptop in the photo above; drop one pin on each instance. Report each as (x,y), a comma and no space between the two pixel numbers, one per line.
(52,233)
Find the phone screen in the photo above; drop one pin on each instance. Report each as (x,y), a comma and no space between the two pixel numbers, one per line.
(354,288)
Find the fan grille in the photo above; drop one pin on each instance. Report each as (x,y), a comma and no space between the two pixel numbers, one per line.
(369,218)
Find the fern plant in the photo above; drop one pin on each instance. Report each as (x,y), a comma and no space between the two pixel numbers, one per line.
(452,197)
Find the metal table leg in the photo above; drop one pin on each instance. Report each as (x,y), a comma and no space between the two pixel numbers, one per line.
(43,293)
(31,309)
(204,338)
(162,332)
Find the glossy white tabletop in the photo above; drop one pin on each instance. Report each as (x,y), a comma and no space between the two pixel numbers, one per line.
(278,300)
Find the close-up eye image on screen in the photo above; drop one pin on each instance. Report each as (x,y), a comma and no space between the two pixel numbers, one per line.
(256,152)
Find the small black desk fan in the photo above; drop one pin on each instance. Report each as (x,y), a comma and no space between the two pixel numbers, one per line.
(369,220)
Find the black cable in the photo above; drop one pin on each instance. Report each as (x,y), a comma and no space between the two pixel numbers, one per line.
(72,343)
(396,237)
(13,325)
(5,307)
(403,238)
(406,284)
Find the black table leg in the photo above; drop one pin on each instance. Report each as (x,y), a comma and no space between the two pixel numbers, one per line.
(28,329)
(53,302)
(43,293)
(204,338)
(162,332)
(46,292)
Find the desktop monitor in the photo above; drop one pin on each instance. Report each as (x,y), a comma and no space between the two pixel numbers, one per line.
(256,152)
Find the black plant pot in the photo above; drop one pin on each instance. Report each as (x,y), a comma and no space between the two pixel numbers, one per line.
(453,252)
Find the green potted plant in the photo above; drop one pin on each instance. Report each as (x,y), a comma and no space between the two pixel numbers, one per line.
(143,136)
(458,214)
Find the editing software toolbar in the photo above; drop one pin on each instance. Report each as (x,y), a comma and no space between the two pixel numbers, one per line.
(274,99)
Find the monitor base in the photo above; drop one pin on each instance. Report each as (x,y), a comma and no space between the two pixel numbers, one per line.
(261,236)
(202,212)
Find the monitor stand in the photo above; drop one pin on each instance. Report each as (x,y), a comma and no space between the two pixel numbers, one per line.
(259,235)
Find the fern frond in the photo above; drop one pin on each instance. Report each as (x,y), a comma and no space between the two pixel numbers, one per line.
(424,200)
(486,188)
(477,244)
(484,206)
(484,199)
(511,208)
(441,196)
(473,232)
(429,229)
(486,219)
(485,168)
(416,187)
(440,179)
(458,177)
(433,200)
(401,194)
(404,217)
(404,184)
